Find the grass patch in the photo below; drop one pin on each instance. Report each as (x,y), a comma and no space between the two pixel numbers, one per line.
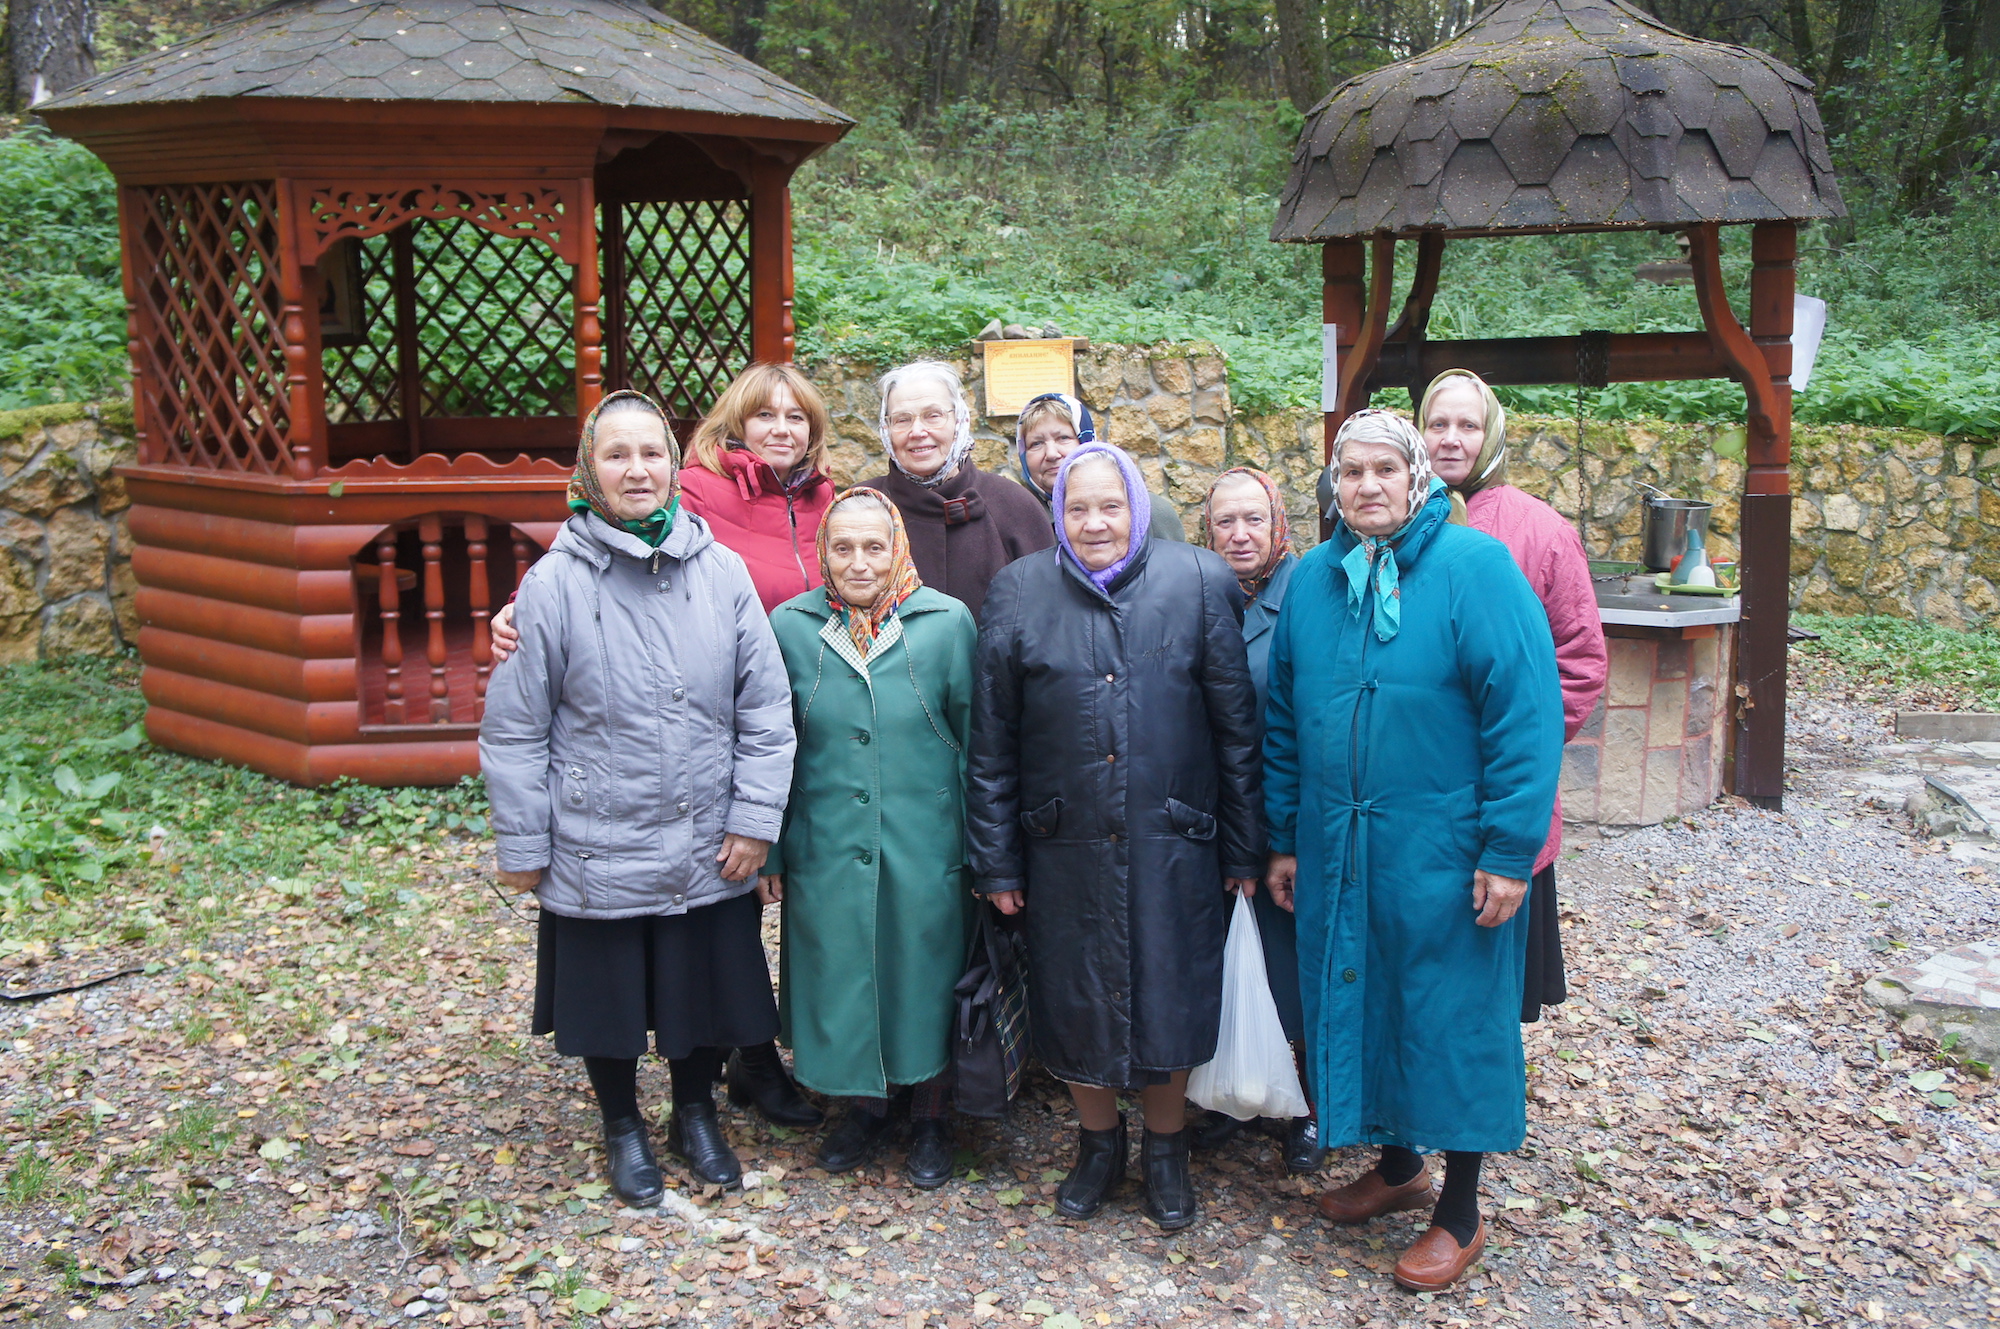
(105,838)
(1938,667)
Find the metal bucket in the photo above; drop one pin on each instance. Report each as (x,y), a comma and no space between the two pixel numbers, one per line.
(1665,532)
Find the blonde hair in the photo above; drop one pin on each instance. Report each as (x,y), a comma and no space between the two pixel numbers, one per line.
(750,392)
(1046,408)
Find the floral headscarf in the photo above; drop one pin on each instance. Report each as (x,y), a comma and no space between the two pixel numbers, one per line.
(586,494)
(1137,497)
(1489,464)
(1079,420)
(1373,558)
(1281,527)
(863,624)
(961,443)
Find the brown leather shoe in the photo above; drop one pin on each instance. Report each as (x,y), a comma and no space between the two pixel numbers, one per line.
(1370,1197)
(1435,1262)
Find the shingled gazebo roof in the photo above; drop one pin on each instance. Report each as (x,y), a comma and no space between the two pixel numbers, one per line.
(1561,115)
(610,52)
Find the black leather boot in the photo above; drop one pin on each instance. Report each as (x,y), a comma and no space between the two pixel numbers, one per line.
(757,1076)
(855,1140)
(1163,1160)
(1100,1166)
(1302,1148)
(695,1137)
(1214,1130)
(635,1173)
(931,1153)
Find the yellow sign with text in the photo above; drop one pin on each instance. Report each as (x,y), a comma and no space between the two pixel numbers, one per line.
(1017,372)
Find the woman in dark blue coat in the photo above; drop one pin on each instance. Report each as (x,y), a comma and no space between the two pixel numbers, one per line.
(1413,739)
(1112,800)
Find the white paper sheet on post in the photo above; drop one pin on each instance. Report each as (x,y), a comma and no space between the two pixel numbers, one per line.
(1808,327)
(1329,367)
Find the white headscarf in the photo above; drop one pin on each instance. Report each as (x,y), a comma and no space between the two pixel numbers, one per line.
(1378,426)
(961,443)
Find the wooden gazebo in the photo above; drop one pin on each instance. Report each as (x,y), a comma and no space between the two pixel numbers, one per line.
(379,258)
(1583,115)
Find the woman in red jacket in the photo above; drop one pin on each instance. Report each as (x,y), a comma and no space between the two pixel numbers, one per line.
(757,474)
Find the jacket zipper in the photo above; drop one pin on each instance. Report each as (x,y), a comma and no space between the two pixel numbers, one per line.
(792,516)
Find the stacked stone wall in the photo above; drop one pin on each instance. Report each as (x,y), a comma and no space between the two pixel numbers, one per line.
(66,582)
(1886,521)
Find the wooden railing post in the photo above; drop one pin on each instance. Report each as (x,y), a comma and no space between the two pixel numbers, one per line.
(479,597)
(430,530)
(589,291)
(390,608)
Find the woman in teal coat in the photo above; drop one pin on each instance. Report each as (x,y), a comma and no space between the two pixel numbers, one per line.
(871,866)
(1413,738)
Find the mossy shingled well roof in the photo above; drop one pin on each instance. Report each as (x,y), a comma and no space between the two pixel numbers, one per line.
(1561,114)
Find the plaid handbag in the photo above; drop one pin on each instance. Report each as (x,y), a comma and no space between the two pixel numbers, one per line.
(990,1047)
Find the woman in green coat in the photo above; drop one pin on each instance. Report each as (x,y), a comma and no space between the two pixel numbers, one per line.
(870,869)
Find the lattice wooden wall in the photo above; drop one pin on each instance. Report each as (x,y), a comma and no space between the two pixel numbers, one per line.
(211,366)
(677,295)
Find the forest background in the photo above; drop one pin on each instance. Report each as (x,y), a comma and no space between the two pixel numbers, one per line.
(1112,167)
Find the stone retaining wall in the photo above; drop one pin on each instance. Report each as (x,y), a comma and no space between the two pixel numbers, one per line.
(1886,521)
(66,582)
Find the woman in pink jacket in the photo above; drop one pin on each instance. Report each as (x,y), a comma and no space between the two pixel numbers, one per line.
(757,474)
(1465,432)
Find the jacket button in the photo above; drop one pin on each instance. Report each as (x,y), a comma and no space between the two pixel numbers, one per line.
(1111,756)
(680,694)
(1349,975)
(864,736)
(682,805)
(1114,837)
(1111,678)
(680,899)
(863,796)
(867,857)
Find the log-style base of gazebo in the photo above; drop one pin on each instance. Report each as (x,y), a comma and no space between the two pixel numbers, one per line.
(253,597)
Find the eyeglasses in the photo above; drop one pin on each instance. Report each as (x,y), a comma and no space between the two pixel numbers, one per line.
(933,419)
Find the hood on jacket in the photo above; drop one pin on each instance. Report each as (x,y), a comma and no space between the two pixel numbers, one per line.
(594,540)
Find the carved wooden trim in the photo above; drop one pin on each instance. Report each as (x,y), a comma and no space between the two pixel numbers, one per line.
(551,213)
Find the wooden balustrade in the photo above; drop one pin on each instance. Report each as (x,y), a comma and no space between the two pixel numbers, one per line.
(454,579)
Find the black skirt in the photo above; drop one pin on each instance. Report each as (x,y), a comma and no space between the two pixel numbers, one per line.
(696,980)
(1543,982)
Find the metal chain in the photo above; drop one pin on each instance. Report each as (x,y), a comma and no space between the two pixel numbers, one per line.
(1593,370)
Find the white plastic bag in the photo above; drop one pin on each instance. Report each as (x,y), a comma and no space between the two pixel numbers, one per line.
(1253,1074)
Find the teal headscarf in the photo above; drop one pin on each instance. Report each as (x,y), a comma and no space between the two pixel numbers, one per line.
(1371,564)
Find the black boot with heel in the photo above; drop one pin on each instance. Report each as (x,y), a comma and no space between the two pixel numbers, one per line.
(1169,1188)
(757,1076)
(1100,1166)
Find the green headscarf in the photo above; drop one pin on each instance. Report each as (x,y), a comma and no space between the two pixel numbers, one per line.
(587,495)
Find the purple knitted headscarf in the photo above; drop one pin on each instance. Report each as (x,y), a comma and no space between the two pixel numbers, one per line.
(1137,497)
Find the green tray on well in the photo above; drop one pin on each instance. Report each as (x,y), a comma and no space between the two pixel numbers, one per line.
(1661,583)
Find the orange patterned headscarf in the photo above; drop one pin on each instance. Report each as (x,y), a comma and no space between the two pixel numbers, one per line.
(863,624)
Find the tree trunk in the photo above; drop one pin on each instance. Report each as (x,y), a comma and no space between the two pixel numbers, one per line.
(48,49)
(1302,51)
(1801,34)
(1853,33)
(746,27)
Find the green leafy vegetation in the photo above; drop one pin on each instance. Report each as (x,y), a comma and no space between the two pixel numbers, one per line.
(1941,666)
(84,798)
(1112,167)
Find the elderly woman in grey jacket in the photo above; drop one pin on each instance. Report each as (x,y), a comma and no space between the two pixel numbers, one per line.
(638,754)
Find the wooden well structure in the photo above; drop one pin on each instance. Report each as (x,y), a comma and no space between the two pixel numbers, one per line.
(1584,115)
(380,258)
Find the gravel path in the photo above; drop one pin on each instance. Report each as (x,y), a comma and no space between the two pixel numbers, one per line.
(1723,1132)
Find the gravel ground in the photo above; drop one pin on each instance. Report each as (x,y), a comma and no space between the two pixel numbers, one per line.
(1723,1132)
